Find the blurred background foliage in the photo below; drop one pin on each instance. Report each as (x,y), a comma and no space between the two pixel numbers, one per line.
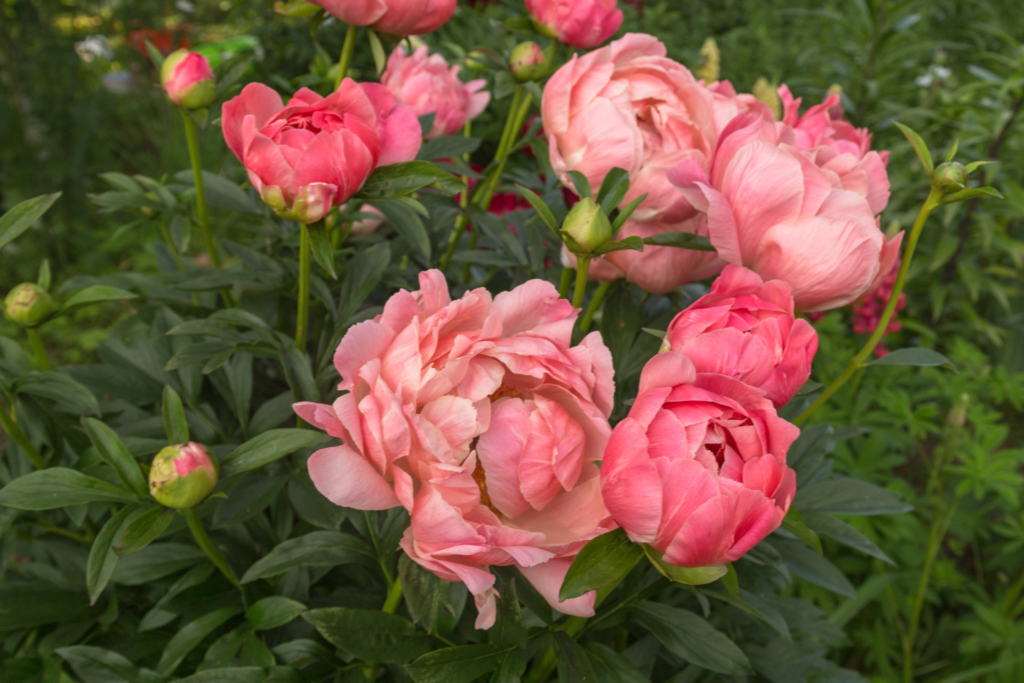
(79,100)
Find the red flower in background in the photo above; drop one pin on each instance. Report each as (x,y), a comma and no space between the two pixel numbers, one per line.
(867,314)
(166,41)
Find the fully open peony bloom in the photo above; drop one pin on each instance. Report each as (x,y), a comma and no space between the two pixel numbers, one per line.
(745,328)
(655,269)
(316,152)
(698,468)
(479,418)
(628,106)
(772,209)
(428,85)
(578,23)
(397,17)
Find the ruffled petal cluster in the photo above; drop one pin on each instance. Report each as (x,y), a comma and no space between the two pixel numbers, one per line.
(394,17)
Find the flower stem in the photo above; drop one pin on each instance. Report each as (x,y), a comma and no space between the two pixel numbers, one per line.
(394,597)
(165,232)
(305,266)
(595,303)
(207,546)
(461,219)
(347,50)
(582,269)
(42,362)
(565,282)
(930,204)
(19,437)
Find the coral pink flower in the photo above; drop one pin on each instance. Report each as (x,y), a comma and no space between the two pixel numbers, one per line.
(316,152)
(745,328)
(579,23)
(628,106)
(772,209)
(478,417)
(430,86)
(188,79)
(729,104)
(839,147)
(698,468)
(397,17)
(655,269)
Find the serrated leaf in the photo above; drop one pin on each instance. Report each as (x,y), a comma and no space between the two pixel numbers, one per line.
(601,562)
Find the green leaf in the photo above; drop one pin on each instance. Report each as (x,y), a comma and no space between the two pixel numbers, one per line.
(680,240)
(221,192)
(573,664)
(731,580)
(45,278)
(175,423)
(102,560)
(246,674)
(143,530)
(634,243)
(601,562)
(318,549)
(509,629)
(691,576)
(96,665)
(57,387)
(919,146)
(323,252)
(23,215)
(613,189)
(692,638)
(794,524)
(582,185)
(380,59)
(371,635)
(843,496)
(806,564)
(448,147)
(627,211)
(753,605)
(108,445)
(155,55)
(398,180)
(362,276)
(913,356)
(842,532)
(973,193)
(268,447)
(611,667)
(94,295)
(156,561)
(189,636)
(272,612)
(462,664)
(423,592)
(541,208)
(407,223)
(60,487)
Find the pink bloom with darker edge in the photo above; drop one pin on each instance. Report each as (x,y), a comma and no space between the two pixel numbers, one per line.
(395,17)
(479,417)
(316,152)
(428,85)
(698,468)
(745,328)
(578,23)
(188,79)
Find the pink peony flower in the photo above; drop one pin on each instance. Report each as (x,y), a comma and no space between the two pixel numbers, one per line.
(365,226)
(745,328)
(188,79)
(396,17)
(478,417)
(316,152)
(655,269)
(698,468)
(772,209)
(430,86)
(579,23)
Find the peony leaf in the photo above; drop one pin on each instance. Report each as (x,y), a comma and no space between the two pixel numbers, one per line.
(601,562)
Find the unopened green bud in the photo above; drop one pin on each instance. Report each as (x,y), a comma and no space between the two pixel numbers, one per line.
(182,476)
(588,224)
(28,305)
(527,62)
(476,60)
(950,176)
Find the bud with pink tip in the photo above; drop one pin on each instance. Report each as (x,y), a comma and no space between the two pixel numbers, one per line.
(527,62)
(182,476)
(188,80)
(28,305)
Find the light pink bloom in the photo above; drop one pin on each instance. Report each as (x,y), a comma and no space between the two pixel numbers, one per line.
(396,17)
(316,152)
(745,328)
(655,269)
(698,468)
(839,147)
(729,104)
(480,418)
(628,106)
(188,79)
(430,86)
(579,23)
(772,209)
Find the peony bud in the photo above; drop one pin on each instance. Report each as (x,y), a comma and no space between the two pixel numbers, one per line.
(188,80)
(28,305)
(527,62)
(950,176)
(710,61)
(182,476)
(476,60)
(588,224)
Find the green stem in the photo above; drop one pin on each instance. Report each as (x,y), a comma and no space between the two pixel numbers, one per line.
(565,282)
(461,219)
(582,269)
(930,204)
(165,232)
(19,437)
(192,136)
(394,598)
(207,546)
(347,50)
(595,303)
(305,266)
(42,362)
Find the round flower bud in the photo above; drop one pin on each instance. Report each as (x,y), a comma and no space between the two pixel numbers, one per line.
(588,225)
(188,80)
(527,62)
(950,176)
(182,476)
(28,305)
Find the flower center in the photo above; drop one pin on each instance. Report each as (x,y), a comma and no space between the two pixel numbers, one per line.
(505,391)
(481,480)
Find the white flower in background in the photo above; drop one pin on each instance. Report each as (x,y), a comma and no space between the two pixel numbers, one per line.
(185,6)
(94,47)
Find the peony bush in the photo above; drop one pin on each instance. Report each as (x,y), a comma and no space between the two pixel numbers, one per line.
(542,336)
